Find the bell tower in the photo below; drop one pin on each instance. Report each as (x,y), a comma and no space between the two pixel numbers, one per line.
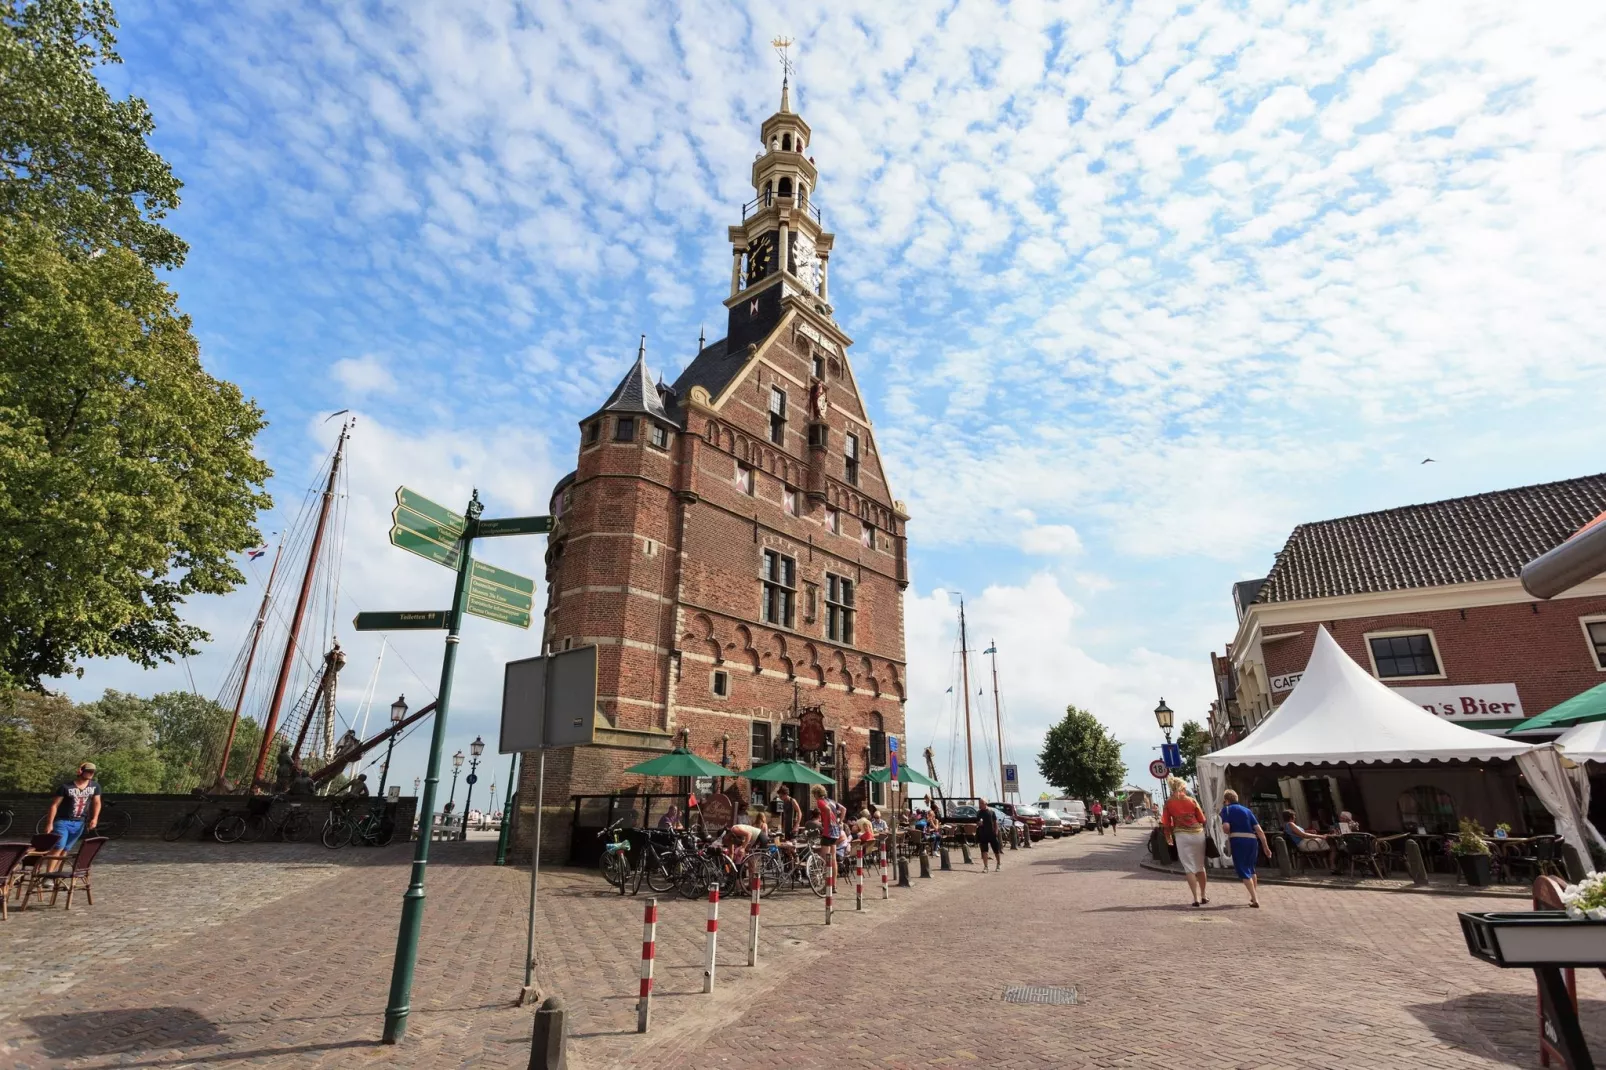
(781,247)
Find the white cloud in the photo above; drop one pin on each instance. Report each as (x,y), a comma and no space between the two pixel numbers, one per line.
(364,375)
(1051,540)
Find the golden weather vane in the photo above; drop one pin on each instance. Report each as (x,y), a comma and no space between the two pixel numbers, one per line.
(782,44)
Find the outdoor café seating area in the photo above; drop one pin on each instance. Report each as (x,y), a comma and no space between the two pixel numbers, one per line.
(32,873)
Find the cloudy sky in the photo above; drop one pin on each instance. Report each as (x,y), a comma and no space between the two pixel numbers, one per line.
(1133,291)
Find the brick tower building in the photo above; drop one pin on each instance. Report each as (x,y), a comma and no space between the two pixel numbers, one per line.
(729,543)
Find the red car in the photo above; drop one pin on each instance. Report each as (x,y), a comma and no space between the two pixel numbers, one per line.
(1027,815)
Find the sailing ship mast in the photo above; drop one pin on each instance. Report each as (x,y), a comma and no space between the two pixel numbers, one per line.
(998,718)
(964,662)
(250,656)
(288,662)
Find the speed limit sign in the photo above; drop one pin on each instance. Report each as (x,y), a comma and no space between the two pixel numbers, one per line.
(1158,770)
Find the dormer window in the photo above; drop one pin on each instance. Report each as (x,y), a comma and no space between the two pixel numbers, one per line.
(777,416)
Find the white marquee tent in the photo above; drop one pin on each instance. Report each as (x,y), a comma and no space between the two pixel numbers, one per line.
(1339,714)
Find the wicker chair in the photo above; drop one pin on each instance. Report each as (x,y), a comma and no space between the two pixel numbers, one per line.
(10,872)
(1360,849)
(78,876)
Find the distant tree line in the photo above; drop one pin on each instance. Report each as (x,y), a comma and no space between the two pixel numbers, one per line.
(166,743)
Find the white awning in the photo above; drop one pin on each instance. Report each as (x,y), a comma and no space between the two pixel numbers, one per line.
(1584,742)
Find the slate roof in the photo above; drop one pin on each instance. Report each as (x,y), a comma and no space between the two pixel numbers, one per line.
(713,369)
(1462,540)
(637,392)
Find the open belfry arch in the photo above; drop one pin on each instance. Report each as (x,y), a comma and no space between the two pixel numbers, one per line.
(729,541)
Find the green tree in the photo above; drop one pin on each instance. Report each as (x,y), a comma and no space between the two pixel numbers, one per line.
(1193,741)
(127,478)
(1081,758)
(71,158)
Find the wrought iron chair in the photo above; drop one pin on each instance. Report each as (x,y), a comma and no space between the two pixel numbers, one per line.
(10,871)
(1360,849)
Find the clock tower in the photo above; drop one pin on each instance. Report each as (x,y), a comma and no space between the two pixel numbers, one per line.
(781,249)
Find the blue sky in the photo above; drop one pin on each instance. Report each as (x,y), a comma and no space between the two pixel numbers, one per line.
(1134,289)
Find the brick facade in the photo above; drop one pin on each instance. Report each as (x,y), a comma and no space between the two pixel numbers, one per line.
(659,550)
(1538,646)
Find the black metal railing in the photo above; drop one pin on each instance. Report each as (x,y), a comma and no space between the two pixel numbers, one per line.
(765,200)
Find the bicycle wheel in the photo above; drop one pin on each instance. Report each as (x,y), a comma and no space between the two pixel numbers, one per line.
(663,873)
(615,866)
(256,826)
(817,874)
(114,824)
(336,832)
(297,826)
(229,828)
(181,827)
(692,883)
(6,817)
(769,876)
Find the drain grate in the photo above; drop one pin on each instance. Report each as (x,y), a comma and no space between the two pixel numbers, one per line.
(1040,994)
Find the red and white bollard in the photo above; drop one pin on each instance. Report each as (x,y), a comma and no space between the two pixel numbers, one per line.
(753,881)
(858,880)
(713,937)
(886,893)
(649,951)
(830,882)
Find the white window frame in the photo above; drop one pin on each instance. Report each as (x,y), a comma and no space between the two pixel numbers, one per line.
(1391,633)
(1589,640)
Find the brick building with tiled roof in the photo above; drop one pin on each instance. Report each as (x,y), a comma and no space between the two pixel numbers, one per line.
(729,542)
(1427,598)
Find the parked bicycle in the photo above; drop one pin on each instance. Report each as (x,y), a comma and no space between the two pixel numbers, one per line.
(192,823)
(345,826)
(113,823)
(292,825)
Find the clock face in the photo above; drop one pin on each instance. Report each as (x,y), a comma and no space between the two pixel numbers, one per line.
(760,258)
(806,263)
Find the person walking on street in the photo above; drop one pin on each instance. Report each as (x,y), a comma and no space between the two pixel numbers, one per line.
(73,810)
(1098,818)
(1248,842)
(1184,822)
(987,835)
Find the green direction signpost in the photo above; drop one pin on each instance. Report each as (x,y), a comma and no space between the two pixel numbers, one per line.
(401,621)
(513,525)
(426,528)
(435,532)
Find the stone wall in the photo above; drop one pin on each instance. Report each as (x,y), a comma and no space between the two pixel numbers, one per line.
(149,815)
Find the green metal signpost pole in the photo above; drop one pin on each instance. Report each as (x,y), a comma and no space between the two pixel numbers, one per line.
(412,916)
(507,813)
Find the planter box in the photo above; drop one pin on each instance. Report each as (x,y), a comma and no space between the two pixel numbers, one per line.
(1535,938)
(1475,868)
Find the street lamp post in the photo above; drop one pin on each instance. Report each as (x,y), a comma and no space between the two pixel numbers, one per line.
(476,749)
(398,710)
(457,763)
(416,782)
(1164,717)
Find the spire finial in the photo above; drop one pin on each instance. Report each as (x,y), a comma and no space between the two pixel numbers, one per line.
(702,338)
(641,350)
(782,44)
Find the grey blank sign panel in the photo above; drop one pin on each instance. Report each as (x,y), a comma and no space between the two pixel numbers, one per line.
(550,701)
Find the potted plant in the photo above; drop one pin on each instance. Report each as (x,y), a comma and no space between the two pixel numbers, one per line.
(1502,830)
(1587,899)
(1471,853)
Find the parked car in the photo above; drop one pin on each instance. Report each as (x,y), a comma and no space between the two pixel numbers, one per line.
(1073,814)
(961,819)
(1052,825)
(1026,815)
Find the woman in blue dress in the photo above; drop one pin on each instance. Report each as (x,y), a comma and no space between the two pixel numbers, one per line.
(1247,839)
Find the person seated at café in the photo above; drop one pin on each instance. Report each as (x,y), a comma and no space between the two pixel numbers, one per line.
(1347,822)
(1308,842)
(671,819)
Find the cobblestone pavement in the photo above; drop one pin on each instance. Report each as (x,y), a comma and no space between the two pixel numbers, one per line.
(283,961)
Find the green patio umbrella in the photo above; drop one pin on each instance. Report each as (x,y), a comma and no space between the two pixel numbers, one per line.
(790,772)
(679,762)
(1589,706)
(905,776)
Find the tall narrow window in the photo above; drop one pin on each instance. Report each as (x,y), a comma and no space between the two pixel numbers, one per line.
(593,431)
(744,478)
(850,457)
(789,500)
(819,366)
(780,588)
(833,521)
(839,609)
(624,429)
(867,535)
(660,436)
(777,416)
(761,743)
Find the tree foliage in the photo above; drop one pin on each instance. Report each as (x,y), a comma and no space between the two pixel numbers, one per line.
(167,743)
(127,478)
(1192,741)
(1081,758)
(71,158)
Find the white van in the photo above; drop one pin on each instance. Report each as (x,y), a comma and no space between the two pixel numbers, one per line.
(1072,813)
